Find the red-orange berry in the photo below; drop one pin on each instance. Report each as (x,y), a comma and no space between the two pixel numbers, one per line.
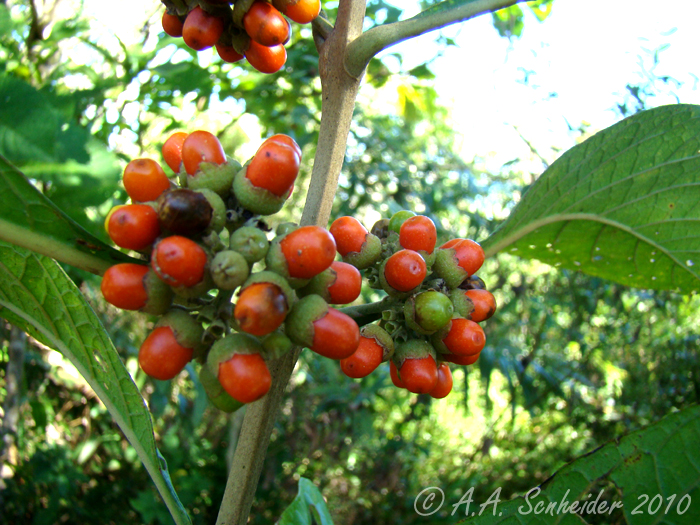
(349,235)
(133,226)
(469,254)
(462,359)
(347,285)
(161,356)
(172,150)
(336,335)
(444,382)
(286,139)
(245,377)
(418,233)
(179,261)
(261,308)
(450,243)
(228,53)
(265,24)
(201,146)
(308,251)
(419,375)
(275,166)
(201,30)
(464,337)
(266,59)
(144,180)
(123,286)
(172,25)
(302,11)
(405,270)
(484,304)
(365,360)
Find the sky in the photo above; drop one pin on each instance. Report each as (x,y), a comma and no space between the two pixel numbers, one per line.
(577,64)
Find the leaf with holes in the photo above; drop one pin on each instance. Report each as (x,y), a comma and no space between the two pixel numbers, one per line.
(37,296)
(656,470)
(623,205)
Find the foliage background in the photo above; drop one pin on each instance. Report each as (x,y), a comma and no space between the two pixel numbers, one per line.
(571,362)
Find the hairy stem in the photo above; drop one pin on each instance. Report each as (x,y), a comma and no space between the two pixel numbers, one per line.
(339,93)
(362,50)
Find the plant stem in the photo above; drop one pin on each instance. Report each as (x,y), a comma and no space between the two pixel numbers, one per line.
(362,50)
(338,101)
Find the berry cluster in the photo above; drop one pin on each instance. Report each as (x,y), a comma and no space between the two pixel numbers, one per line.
(256,30)
(233,295)
(206,242)
(434,306)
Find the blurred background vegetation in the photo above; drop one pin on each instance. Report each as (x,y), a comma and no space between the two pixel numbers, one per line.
(571,361)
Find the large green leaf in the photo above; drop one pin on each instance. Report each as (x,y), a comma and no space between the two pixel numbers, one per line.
(30,220)
(37,296)
(622,205)
(657,471)
(308,507)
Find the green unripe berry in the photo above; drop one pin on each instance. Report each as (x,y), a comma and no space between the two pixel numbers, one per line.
(229,270)
(428,311)
(398,219)
(250,242)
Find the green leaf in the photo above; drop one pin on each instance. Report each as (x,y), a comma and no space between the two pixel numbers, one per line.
(309,502)
(661,461)
(622,205)
(32,128)
(30,220)
(37,296)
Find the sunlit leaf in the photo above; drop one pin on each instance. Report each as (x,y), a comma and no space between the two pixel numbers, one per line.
(38,297)
(623,205)
(30,220)
(661,462)
(308,507)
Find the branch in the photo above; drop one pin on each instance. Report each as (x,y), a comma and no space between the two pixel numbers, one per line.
(338,102)
(362,50)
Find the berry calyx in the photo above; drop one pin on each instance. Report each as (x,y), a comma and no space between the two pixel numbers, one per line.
(418,233)
(404,270)
(201,30)
(161,356)
(133,226)
(144,180)
(394,374)
(179,261)
(261,308)
(201,146)
(245,377)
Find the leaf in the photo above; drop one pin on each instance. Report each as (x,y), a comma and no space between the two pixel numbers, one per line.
(37,296)
(623,205)
(660,461)
(308,502)
(31,127)
(30,220)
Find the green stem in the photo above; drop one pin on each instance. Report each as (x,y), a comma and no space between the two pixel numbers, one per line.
(362,50)
(338,99)
(362,310)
